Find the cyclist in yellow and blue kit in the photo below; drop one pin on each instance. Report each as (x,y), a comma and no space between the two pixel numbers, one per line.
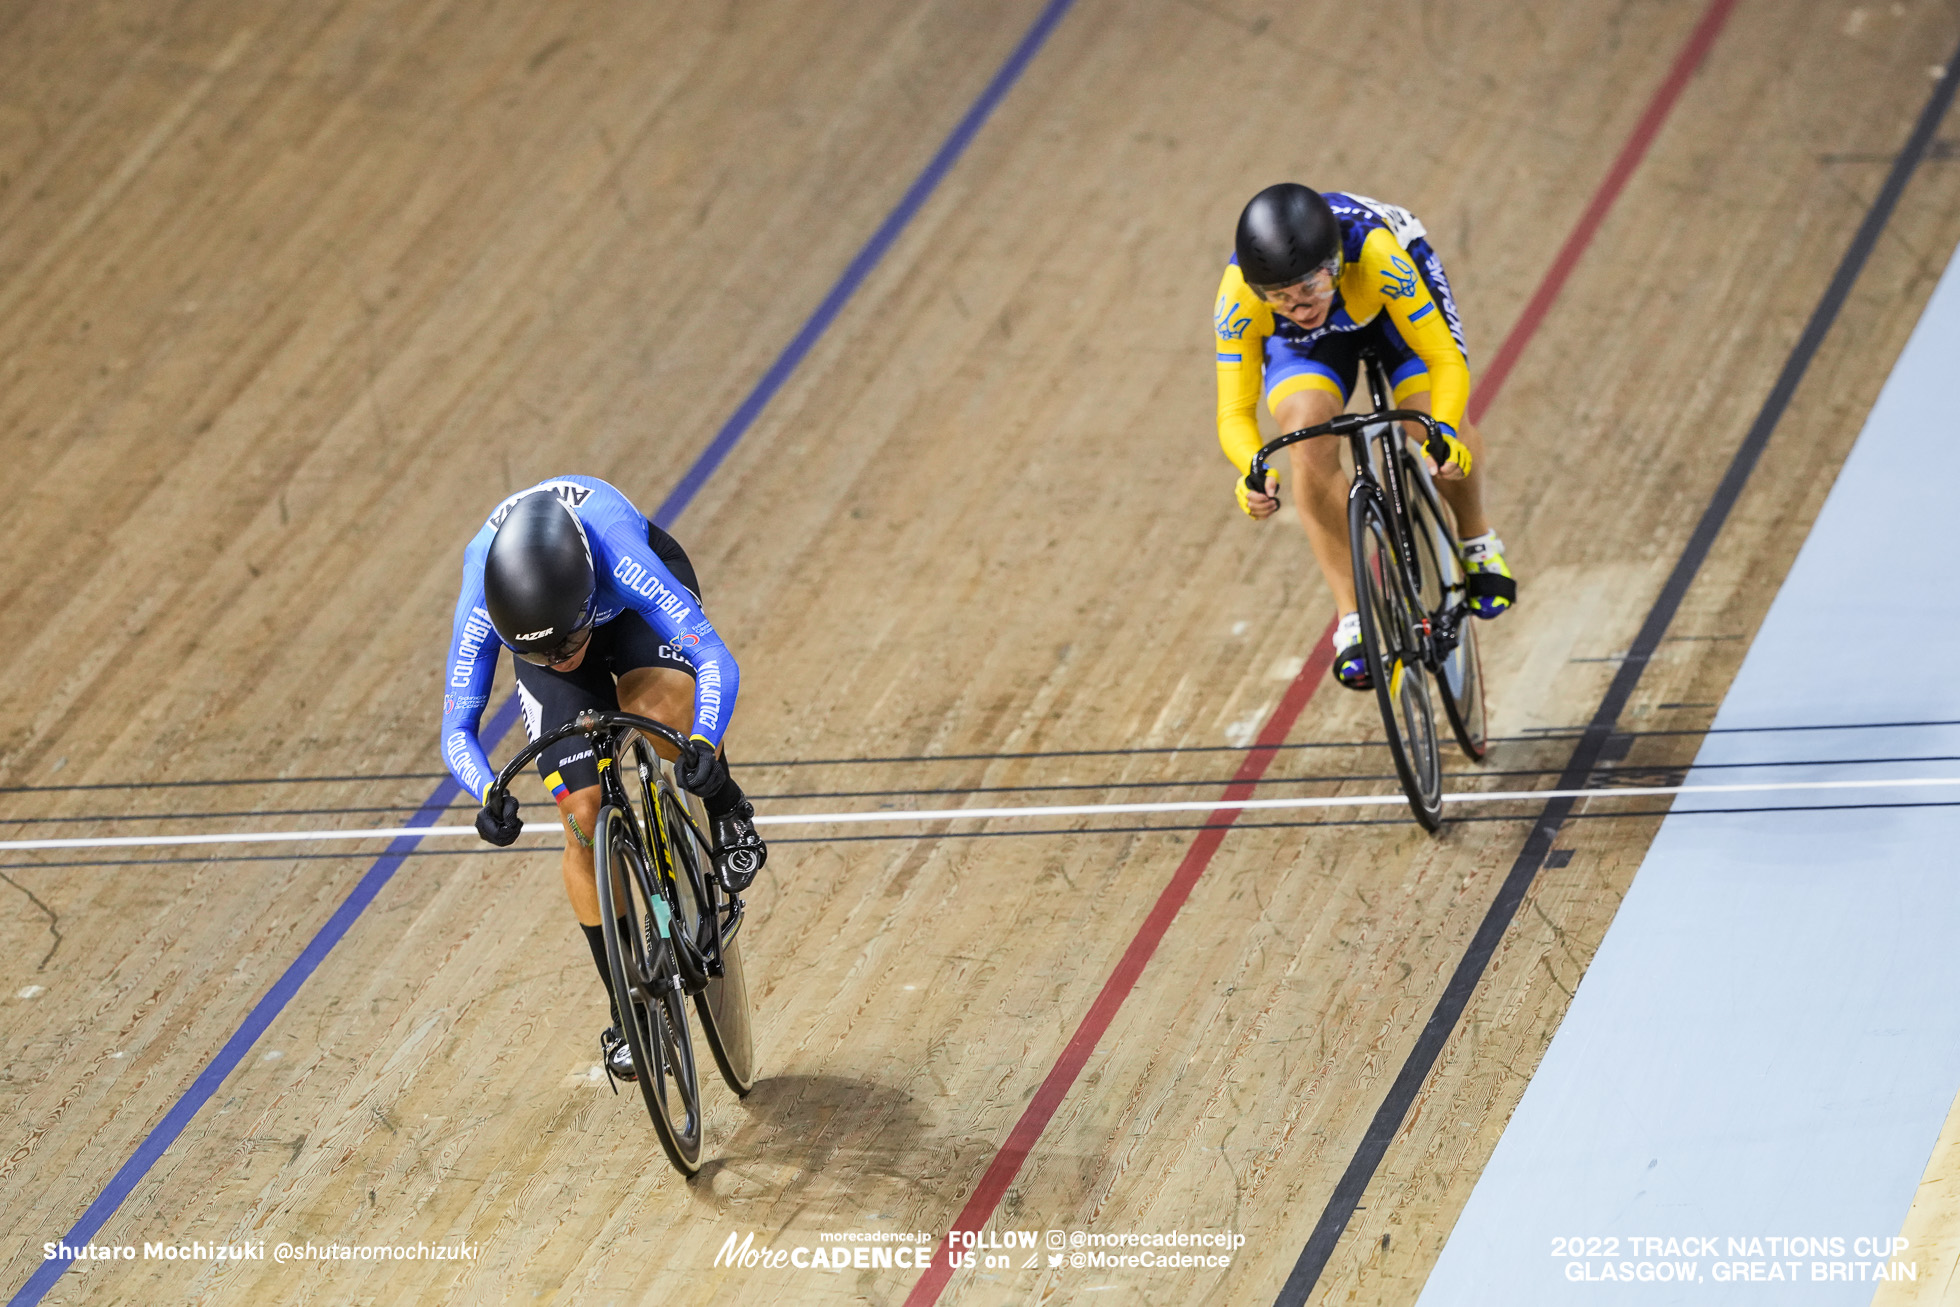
(1313,280)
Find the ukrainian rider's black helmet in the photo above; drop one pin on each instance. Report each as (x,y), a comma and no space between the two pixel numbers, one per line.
(538,581)
(1286,234)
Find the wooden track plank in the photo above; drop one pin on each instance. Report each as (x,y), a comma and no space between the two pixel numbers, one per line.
(987,513)
(1929,1228)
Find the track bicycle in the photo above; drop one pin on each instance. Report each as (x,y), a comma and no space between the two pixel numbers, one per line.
(1411,586)
(670,931)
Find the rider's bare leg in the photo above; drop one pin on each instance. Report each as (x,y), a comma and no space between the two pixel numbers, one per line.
(665,694)
(580,809)
(1465,496)
(662,693)
(1320,487)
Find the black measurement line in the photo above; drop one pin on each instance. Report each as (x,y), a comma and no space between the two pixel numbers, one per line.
(1602,779)
(1535,735)
(1628,814)
(409,808)
(215,784)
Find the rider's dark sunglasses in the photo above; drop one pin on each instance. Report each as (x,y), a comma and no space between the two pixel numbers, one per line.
(561,651)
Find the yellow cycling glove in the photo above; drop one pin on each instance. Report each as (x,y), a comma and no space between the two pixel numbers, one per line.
(1240,489)
(1454,454)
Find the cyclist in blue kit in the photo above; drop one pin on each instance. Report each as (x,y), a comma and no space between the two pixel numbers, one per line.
(602,610)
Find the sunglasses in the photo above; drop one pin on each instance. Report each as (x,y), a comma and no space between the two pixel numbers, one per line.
(560,652)
(1304,291)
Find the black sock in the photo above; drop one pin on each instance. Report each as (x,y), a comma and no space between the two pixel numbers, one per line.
(597,939)
(724,800)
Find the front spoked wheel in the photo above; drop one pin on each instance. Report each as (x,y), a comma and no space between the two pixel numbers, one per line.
(1389,617)
(1460,672)
(635,920)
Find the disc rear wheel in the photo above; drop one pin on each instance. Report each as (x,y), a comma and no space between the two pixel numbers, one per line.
(1460,674)
(723,1002)
(713,969)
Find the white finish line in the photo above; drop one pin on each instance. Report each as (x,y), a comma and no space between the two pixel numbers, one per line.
(972,814)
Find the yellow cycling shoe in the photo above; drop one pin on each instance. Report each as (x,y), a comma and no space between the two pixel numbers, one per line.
(1490,585)
(1350,657)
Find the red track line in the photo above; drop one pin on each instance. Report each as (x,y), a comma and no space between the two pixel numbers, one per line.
(1034,1119)
(1047,1099)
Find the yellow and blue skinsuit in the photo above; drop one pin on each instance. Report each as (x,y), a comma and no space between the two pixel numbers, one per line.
(1392,293)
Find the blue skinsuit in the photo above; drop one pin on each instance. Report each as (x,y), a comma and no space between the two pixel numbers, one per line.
(630,576)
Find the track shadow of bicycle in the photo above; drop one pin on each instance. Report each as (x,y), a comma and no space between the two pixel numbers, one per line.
(814,1140)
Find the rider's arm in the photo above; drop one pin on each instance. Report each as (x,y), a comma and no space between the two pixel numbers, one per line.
(466,681)
(1390,277)
(642,582)
(1241,321)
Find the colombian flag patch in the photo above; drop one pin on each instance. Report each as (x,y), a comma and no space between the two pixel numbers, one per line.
(557,784)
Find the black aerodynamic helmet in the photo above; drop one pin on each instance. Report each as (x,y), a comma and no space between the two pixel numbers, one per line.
(1286,234)
(538,582)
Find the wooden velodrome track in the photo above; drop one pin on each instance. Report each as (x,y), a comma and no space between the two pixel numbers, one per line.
(289,296)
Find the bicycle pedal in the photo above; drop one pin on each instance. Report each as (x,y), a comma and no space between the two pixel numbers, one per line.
(611,1043)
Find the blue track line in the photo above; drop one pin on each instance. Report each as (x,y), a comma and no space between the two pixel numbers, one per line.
(166,1131)
(179,1116)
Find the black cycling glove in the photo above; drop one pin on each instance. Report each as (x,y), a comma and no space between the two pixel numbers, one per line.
(497,821)
(702,770)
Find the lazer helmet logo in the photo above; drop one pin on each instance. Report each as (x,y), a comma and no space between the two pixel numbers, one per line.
(536,635)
